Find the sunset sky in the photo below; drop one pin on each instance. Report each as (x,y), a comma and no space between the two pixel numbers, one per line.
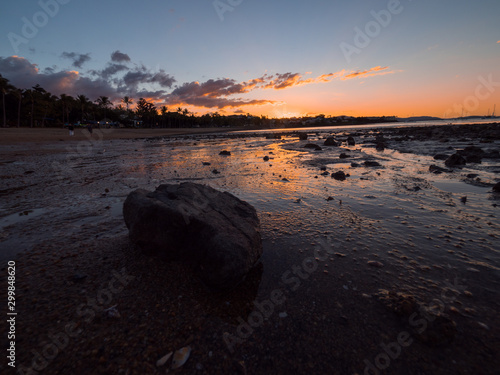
(277,58)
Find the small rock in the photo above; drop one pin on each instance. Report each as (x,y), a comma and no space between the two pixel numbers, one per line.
(164,359)
(375,263)
(225,152)
(463,200)
(436,169)
(79,277)
(340,175)
(351,141)
(215,171)
(206,163)
(329,199)
(482,325)
(266,158)
(313,146)
(354,165)
(112,312)
(371,163)
(330,141)
(303,136)
(496,187)
(455,160)
(441,157)
(180,357)
(344,156)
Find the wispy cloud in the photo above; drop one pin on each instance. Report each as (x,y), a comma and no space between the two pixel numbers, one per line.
(376,71)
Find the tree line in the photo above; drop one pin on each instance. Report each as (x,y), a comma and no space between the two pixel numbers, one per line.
(36,107)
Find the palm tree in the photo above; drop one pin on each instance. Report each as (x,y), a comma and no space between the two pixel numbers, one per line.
(5,87)
(163,112)
(83,101)
(126,100)
(63,100)
(18,93)
(103,102)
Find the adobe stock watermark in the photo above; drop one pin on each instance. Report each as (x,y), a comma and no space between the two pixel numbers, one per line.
(222,7)
(483,91)
(419,321)
(59,341)
(292,279)
(40,19)
(363,37)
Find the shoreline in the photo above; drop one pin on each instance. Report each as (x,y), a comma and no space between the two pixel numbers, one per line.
(17,136)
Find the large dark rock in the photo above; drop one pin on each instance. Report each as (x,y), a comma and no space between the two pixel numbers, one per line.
(351,141)
(216,233)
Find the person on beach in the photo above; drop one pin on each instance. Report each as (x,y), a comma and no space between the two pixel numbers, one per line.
(71,130)
(89,128)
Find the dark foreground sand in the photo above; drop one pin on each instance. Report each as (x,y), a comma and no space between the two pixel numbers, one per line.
(404,276)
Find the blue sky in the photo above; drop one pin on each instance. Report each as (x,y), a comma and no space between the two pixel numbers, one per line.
(432,53)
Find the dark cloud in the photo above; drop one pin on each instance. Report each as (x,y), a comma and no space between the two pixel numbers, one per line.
(133,79)
(214,94)
(23,74)
(78,58)
(117,56)
(109,71)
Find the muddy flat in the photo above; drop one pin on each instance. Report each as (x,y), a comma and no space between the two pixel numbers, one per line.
(393,269)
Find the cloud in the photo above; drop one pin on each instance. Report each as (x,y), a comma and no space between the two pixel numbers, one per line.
(78,58)
(109,71)
(117,56)
(117,79)
(134,78)
(23,74)
(214,93)
(498,42)
(376,71)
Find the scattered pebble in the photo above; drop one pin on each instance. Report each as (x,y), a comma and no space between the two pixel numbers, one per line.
(375,263)
(164,359)
(180,357)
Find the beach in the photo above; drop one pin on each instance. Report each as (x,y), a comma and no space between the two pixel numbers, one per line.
(392,269)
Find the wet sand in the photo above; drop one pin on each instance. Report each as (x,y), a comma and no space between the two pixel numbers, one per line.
(387,271)
(9,136)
